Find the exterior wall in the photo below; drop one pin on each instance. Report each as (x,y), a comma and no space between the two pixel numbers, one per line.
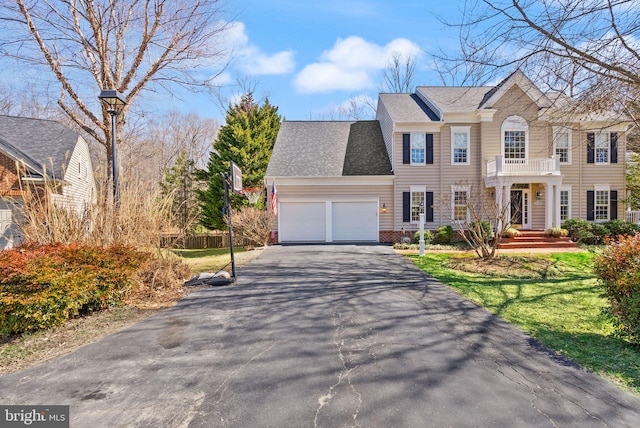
(10,219)
(382,193)
(80,188)
(386,125)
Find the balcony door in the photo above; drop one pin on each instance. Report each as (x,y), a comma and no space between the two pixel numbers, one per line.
(520,209)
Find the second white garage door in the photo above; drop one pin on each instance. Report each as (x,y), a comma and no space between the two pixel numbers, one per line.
(354,221)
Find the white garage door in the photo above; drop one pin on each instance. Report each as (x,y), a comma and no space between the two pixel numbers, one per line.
(355,221)
(302,222)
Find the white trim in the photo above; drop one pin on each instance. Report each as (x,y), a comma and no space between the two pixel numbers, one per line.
(515,123)
(601,188)
(595,147)
(466,130)
(557,130)
(417,189)
(360,180)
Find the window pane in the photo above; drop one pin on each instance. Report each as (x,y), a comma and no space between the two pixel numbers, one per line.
(564,205)
(514,145)
(460,205)
(460,146)
(417,148)
(417,205)
(602,205)
(562,146)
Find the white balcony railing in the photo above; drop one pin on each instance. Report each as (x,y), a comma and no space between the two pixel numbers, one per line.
(509,167)
(633,216)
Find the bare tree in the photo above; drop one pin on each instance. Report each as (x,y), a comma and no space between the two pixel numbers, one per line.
(588,38)
(483,220)
(399,74)
(126,45)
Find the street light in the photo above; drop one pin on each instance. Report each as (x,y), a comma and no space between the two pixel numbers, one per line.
(114,101)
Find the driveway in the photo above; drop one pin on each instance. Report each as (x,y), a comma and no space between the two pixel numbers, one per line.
(322,336)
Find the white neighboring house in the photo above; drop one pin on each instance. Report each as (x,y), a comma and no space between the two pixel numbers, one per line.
(48,152)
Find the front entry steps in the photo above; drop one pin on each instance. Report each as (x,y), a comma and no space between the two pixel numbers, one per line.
(535,239)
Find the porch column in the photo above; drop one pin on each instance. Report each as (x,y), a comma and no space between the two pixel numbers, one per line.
(549,217)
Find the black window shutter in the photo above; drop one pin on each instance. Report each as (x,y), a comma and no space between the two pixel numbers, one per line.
(591,147)
(613,205)
(614,147)
(428,209)
(406,148)
(429,152)
(406,207)
(591,205)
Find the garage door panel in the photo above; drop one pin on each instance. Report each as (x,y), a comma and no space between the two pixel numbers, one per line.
(355,221)
(302,222)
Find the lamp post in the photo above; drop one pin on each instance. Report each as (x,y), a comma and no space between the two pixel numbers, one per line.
(114,101)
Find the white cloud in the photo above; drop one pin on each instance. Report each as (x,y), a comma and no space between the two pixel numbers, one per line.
(250,59)
(350,65)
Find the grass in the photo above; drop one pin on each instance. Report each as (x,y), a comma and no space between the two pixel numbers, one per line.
(209,259)
(555,298)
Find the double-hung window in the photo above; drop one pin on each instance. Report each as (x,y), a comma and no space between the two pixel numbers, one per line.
(514,138)
(418,149)
(460,145)
(417,204)
(601,206)
(459,200)
(602,147)
(562,144)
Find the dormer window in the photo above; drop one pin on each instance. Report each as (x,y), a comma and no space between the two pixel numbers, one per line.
(515,136)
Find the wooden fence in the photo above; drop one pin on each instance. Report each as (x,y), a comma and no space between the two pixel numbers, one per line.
(201,241)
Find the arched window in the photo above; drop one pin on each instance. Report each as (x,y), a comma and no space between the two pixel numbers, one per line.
(515,138)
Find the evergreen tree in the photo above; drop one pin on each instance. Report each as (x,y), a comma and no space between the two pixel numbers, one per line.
(247,139)
(180,185)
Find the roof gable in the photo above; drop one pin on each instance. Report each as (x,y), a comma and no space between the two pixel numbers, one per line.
(523,82)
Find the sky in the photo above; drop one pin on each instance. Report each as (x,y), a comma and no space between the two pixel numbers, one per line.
(310,56)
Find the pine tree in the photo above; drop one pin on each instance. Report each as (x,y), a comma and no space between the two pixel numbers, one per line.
(247,139)
(180,184)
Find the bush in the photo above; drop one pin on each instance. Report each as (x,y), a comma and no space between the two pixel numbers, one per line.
(579,230)
(556,232)
(42,286)
(511,233)
(444,235)
(428,237)
(617,228)
(253,224)
(619,269)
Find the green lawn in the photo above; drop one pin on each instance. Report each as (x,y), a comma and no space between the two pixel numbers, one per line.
(558,302)
(207,260)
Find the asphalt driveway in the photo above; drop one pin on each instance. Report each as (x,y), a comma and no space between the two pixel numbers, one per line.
(322,336)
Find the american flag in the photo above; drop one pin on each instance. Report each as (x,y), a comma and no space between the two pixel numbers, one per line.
(273,201)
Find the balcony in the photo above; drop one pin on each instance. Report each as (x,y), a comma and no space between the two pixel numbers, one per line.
(501,167)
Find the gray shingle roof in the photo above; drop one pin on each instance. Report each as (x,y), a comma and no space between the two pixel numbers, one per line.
(329,149)
(407,108)
(41,143)
(456,99)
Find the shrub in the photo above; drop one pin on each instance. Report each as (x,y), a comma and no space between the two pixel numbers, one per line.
(253,224)
(42,286)
(579,229)
(511,233)
(444,235)
(428,237)
(556,232)
(619,269)
(617,228)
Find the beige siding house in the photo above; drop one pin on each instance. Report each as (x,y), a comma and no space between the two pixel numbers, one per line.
(40,158)
(531,153)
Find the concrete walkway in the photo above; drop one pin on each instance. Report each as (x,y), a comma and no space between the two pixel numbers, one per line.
(323,336)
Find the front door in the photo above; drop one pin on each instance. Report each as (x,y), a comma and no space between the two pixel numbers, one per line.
(520,213)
